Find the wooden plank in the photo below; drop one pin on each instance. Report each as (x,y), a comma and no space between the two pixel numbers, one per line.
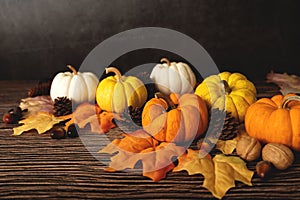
(35,166)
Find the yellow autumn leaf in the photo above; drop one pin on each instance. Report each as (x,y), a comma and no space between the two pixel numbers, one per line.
(227,146)
(193,164)
(220,173)
(41,122)
(227,170)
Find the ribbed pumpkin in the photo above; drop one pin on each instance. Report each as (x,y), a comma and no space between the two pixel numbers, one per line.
(117,93)
(77,86)
(177,119)
(173,77)
(275,120)
(230,91)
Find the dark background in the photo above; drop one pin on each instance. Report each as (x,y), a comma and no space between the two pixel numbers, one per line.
(39,37)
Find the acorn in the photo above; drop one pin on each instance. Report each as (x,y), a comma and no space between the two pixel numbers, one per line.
(58,133)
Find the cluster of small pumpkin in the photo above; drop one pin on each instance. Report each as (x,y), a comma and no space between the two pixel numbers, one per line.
(181,115)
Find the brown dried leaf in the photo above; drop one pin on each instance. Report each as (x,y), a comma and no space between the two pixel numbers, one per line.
(287,83)
(37,104)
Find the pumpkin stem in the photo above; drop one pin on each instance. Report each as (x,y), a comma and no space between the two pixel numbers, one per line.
(171,104)
(226,86)
(166,60)
(286,100)
(116,71)
(74,71)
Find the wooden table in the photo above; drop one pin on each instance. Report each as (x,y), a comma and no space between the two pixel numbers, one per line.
(35,166)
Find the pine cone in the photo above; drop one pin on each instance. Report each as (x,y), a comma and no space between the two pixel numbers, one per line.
(62,106)
(42,88)
(131,120)
(224,130)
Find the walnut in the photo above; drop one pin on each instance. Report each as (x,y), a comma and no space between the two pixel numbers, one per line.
(248,148)
(278,154)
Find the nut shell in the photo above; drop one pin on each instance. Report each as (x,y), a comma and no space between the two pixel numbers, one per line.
(248,148)
(263,169)
(278,154)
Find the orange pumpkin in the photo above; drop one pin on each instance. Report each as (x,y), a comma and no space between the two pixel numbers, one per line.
(176,118)
(275,120)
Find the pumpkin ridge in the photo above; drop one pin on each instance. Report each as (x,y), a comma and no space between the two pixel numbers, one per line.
(67,81)
(91,88)
(140,90)
(202,109)
(185,77)
(224,75)
(294,114)
(119,100)
(246,94)
(215,93)
(277,99)
(281,129)
(234,78)
(174,80)
(77,85)
(267,101)
(241,105)
(230,106)
(191,132)
(104,100)
(173,129)
(289,123)
(130,95)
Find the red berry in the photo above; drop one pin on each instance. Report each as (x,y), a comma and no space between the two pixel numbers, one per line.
(8,118)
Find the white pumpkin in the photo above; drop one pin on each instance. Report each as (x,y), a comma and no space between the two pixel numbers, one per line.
(77,86)
(173,77)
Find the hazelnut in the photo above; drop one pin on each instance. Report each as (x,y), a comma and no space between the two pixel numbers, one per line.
(278,154)
(248,148)
(263,169)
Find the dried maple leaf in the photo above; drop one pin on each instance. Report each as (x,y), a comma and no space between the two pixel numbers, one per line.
(85,113)
(225,146)
(193,164)
(156,159)
(41,122)
(220,173)
(37,104)
(287,83)
(106,121)
(99,123)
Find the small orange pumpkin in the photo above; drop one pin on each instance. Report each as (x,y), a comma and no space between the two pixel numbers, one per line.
(275,120)
(176,118)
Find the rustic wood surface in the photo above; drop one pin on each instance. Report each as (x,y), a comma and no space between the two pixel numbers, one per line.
(35,166)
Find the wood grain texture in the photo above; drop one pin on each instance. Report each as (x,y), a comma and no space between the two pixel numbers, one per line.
(35,166)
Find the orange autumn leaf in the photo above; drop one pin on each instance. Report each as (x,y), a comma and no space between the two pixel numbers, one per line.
(133,142)
(157,159)
(99,123)
(85,113)
(106,121)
